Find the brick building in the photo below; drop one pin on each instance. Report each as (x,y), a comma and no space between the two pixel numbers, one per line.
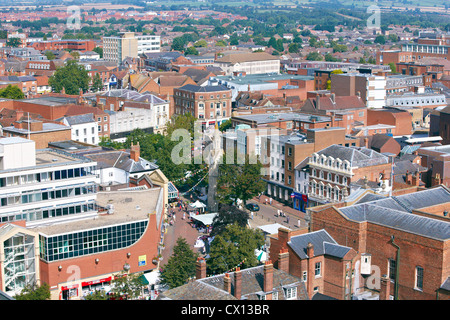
(403,239)
(65,44)
(332,171)
(400,120)
(206,103)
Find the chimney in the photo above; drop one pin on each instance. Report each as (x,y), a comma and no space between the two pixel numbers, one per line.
(408,179)
(19,115)
(200,270)
(317,102)
(333,98)
(385,288)
(63,90)
(135,152)
(268,276)
(310,250)
(366,142)
(238,283)
(227,283)
(283,260)
(333,120)
(284,235)
(415,179)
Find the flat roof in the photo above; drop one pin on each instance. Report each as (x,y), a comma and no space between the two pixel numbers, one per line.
(129,206)
(261,78)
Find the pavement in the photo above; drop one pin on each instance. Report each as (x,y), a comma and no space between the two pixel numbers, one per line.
(266,215)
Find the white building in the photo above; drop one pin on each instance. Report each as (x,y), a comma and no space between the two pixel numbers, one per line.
(44,186)
(148,43)
(84,127)
(248,63)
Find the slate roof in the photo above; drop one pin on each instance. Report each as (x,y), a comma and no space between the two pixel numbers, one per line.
(78,119)
(323,244)
(396,212)
(357,156)
(212,288)
(446,284)
(194,88)
(121,160)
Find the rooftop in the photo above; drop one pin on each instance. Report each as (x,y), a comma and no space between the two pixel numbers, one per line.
(129,206)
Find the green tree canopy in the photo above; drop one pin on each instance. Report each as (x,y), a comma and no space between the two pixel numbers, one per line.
(11,92)
(72,77)
(97,83)
(129,285)
(180,266)
(233,247)
(34,292)
(314,56)
(191,51)
(240,181)
(228,214)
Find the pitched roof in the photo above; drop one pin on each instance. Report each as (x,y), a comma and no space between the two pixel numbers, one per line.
(246,57)
(195,88)
(357,156)
(212,288)
(396,212)
(323,244)
(340,103)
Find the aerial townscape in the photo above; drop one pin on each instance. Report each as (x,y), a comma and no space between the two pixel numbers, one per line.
(239,150)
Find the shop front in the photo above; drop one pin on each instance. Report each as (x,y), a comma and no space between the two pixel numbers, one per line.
(299,201)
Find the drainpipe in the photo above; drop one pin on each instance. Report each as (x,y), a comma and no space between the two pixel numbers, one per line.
(397,268)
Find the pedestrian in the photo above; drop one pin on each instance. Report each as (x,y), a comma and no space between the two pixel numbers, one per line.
(287,219)
(299,223)
(270,201)
(266,201)
(252,214)
(184,216)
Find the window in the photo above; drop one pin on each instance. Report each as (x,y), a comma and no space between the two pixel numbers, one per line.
(291,293)
(318,269)
(419,278)
(305,276)
(392,266)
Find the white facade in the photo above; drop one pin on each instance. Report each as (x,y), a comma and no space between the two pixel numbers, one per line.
(84,132)
(45,186)
(148,44)
(376,92)
(155,116)
(250,67)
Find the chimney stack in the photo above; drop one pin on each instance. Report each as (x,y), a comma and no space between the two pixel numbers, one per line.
(238,283)
(310,250)
(333,98)
(317,102)
(415,179)
(135,152)
(200,271)
(268,276)
(283,260)
(227,283)
(284,235)
(385,288)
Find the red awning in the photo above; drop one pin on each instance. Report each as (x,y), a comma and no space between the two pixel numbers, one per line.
(74,286)
(88,283)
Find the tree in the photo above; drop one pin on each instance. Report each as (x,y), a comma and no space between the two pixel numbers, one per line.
(72,77)
(34,292)
(201,43)
(11,92)
(75,55)
(314,56)
(180,266)
(224,126)
(293,48)
(234,247)
(240,181)
(191,51)
(97,295)
(129,286)
(380,39)
(393,67)
(178,44)
(99,50)
(228,214)
(50,55)
(97,83)
(13,42)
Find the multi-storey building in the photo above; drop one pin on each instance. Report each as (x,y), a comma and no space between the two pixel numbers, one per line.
(281,154)
(84,127)
(371,89)
(148,43)
(333,170)
(116,49)
(64,44)
(248,63)
(206,103)
(55,227)
(402,243)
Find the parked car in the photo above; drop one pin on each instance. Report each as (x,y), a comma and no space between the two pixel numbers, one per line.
(252,207)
